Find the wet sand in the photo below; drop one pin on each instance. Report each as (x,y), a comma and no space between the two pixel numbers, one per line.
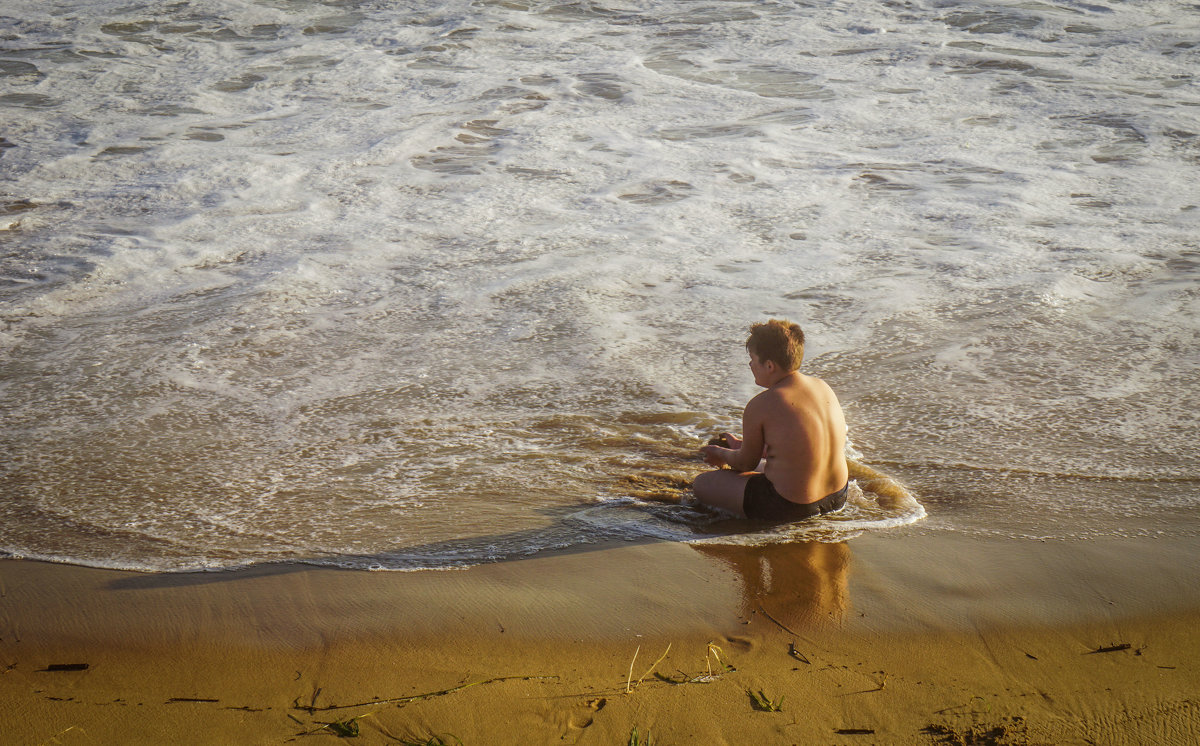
(915,636)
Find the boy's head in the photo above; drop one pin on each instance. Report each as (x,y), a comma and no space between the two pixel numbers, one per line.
(779,341)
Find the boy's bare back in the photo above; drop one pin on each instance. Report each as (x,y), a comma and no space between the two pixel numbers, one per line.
(803,432)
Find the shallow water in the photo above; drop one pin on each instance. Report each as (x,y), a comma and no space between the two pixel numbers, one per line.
(409,285)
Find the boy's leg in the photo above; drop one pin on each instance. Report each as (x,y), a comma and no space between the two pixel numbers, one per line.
(723,489)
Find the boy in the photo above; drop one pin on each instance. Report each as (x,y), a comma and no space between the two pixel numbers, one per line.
(795,427)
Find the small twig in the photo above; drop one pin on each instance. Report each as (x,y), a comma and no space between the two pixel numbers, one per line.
(715,651)
(782,626)
(1110,648)
(651,670)
(415,697)
(879,686)
(630,677)
(68,730)
(703,678)
(792,651)
(341,728)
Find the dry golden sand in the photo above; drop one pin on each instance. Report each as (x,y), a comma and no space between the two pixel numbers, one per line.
(915,637)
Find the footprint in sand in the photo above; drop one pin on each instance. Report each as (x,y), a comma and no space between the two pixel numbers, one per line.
(581,720)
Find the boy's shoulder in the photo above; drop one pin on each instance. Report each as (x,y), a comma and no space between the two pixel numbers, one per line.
(786,394)
(769,400)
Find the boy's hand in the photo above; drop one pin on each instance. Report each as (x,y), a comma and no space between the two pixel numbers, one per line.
(712,455)
(726,440)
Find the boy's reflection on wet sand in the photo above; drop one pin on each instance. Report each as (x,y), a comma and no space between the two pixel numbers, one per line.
(798,585)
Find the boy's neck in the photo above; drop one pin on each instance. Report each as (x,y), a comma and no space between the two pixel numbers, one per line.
(779,378)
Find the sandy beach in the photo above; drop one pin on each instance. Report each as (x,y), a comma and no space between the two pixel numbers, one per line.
(915,636)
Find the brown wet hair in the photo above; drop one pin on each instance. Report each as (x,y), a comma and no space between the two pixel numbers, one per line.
(777,340)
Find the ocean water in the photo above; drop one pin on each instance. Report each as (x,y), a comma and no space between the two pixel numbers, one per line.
(408,285)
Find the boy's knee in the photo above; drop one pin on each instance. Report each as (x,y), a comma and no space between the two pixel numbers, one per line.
(706,483)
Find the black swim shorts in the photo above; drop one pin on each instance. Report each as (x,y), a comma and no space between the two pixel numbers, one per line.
(762,503)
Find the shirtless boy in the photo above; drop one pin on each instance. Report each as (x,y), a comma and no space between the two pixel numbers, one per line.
(795,429)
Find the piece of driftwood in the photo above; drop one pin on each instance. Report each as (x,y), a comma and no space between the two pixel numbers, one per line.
(66,667)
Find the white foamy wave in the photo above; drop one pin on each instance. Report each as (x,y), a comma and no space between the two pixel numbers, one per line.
(687,522)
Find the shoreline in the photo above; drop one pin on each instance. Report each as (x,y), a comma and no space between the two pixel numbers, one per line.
(916,636)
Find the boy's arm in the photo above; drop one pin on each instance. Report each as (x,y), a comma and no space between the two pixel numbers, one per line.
(751,450)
